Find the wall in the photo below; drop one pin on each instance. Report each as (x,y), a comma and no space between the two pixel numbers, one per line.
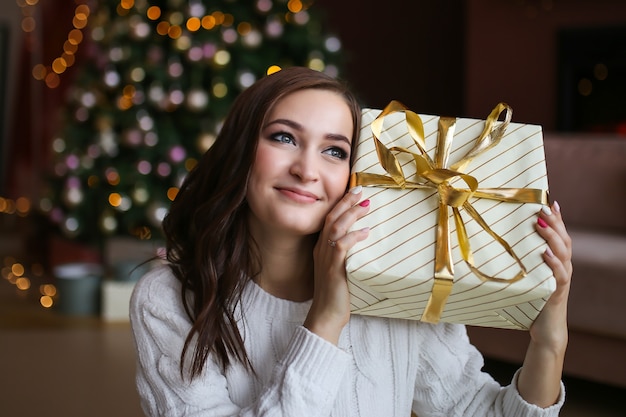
(11,16)
(511,52)
(406,50)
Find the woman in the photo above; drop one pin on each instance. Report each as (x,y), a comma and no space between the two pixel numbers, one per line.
(252,318)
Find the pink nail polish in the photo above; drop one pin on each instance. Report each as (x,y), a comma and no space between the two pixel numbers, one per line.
(364,203)
(556,207)
(549,252)
(542,223)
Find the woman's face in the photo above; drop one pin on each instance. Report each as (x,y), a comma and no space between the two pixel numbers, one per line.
(302,163)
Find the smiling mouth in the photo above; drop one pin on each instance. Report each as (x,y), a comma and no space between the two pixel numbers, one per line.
(298,195)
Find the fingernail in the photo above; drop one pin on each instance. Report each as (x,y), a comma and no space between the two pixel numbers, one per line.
(556,207)
(356,190)
(546,210)
(364,203)
(542,223)
(365,229)
(549,252)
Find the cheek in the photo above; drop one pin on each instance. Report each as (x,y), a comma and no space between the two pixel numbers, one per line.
(259,168)
(262,159)
(266,164)
(337,181)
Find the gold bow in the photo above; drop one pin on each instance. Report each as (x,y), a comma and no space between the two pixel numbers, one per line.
(435,175)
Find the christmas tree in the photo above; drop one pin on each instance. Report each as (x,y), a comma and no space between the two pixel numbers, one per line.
(148,100)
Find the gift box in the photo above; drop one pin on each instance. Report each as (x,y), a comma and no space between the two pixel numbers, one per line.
(454,204)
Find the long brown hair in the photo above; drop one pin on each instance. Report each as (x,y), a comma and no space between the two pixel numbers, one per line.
(209,247)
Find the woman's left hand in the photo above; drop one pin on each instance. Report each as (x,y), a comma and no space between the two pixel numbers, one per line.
(550,327)
(540,376)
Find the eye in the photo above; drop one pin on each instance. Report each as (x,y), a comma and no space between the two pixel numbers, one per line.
(337,152)
(282,137)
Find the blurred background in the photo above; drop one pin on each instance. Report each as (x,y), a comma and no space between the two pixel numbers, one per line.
(106,105)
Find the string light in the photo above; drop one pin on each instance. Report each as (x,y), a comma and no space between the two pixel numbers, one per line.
(294,6)
(25,277)
(172,192)
(20,206)
(49,74)
(171,26)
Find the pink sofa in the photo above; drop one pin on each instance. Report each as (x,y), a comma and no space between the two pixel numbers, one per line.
(587,176)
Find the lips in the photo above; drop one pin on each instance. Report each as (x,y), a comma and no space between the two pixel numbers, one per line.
(298,195)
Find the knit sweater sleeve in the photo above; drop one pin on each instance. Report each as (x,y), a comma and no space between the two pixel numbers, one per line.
(305,379)
(451,381)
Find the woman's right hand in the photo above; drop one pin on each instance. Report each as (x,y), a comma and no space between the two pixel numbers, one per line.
(330,310)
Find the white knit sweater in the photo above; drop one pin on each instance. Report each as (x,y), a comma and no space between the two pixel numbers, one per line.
(381,368)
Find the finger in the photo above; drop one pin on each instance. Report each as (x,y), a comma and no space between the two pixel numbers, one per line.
(551,227)
(346,212)
(346,220)
(553,218)
(348,200)
(348,240)
(558,244)
(558,255)
(562,269)
(337,238)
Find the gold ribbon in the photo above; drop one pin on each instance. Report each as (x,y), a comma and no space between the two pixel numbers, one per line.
(433,174)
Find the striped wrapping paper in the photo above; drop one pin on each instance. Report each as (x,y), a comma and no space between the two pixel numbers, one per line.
(390,274)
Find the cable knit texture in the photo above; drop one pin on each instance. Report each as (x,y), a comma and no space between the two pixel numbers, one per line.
(381,367)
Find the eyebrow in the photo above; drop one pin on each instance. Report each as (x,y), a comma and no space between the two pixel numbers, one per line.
(297,126)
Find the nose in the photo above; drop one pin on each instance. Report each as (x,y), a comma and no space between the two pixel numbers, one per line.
(305,166)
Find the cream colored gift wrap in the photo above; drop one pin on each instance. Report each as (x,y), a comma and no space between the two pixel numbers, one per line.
(454,203)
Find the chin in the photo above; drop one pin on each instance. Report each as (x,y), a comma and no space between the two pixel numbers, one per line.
(303,229)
